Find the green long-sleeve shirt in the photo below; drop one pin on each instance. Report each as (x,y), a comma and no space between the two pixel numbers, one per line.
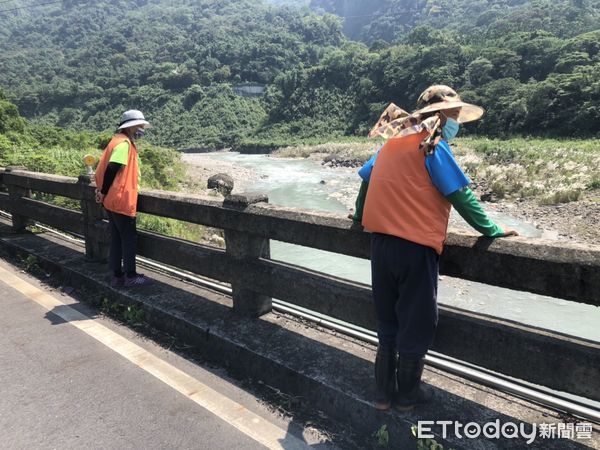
(469,209)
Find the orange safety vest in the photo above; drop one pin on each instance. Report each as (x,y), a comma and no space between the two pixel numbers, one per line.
(401,200)
(122,195)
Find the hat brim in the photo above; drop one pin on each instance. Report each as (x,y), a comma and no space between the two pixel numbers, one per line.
(133,123)
(468,112)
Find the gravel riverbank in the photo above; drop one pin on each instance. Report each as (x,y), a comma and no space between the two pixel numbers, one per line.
(576,221)
(200,166)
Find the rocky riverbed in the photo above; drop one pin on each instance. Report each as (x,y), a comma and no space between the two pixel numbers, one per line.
(576,221)
(200,167)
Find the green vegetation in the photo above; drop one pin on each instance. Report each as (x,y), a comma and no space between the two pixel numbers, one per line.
(385,21)
(31,264)
(519,78)
(534,65)
(357,148)
(81,64)
(550,170)
(127,313)
(184,230)
(426,443)
(382,436)
(43,148)
(553,171)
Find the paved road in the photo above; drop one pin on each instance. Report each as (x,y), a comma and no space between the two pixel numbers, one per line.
(71,380)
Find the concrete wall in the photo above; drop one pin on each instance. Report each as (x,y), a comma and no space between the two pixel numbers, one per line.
(564,270)
(250,90)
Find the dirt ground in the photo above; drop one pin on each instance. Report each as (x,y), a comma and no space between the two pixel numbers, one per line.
(577,221)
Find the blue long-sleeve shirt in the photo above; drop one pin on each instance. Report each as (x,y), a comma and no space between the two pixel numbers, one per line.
(450,181)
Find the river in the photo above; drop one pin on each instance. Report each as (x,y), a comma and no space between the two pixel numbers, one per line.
(306,184)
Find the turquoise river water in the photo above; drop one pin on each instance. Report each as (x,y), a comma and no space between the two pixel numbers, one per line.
(306,184)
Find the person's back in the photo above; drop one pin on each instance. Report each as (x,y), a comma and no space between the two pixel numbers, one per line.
(413,184)
(401,199)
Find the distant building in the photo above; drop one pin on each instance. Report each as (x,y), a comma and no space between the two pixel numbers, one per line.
(249,89)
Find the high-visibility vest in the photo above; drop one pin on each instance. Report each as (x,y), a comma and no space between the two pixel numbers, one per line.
(123,193)
(402,200)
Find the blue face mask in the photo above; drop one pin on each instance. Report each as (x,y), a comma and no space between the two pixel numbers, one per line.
(139,134)
(450,129)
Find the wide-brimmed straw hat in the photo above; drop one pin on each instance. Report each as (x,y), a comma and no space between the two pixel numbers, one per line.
(440,97)
(132,118)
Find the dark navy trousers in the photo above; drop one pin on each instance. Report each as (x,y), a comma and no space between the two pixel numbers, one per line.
(123,243)
(404,280)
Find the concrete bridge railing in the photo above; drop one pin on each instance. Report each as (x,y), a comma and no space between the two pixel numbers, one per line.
(540,356)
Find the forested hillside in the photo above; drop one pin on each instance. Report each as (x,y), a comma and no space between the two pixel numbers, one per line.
(531,83)
(81,63)
(534,65)
(44,148)
(475,20)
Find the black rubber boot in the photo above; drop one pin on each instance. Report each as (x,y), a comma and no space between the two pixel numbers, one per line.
(410,390)
(385,377)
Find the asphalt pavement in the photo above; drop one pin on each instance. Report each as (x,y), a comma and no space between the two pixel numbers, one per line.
(73,379)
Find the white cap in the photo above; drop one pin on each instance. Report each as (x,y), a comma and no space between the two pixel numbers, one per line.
(132,118)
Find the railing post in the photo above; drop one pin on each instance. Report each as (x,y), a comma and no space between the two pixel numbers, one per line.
(15,194)
(245,249)
(2,185)
(96,241)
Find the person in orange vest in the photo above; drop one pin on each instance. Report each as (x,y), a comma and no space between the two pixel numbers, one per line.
(413,184)
(117,185)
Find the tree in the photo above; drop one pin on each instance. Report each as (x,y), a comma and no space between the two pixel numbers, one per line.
(480,71)
(9,117)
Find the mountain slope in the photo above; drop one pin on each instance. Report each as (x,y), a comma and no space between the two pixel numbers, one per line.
(475,20)
(81,63)
(534,65)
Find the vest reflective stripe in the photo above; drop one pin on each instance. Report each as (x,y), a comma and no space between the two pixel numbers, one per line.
(401,200)
(122,195)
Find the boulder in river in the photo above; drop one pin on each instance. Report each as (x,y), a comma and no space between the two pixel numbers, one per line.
(221,182)
(330,158)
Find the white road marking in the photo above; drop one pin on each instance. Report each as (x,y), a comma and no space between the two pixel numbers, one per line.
(231,412)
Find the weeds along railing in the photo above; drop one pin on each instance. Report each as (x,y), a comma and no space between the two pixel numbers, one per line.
(557,269)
